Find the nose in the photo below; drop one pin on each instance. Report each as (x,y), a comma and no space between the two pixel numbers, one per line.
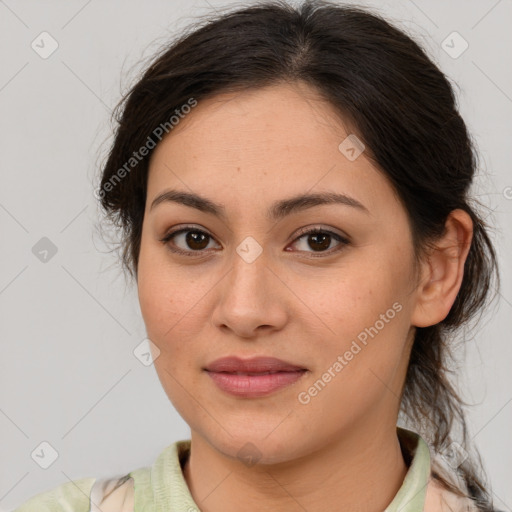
(251,299)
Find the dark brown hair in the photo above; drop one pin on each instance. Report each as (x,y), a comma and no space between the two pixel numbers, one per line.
(394,99)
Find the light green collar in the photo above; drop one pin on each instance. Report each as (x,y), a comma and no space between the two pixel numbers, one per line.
(162,488)
(411,496)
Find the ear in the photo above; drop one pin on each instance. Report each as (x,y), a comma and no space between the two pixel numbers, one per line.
(442,271)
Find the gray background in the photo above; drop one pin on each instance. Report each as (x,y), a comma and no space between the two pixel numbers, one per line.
(69,325)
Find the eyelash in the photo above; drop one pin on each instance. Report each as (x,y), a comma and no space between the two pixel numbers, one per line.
(302,233)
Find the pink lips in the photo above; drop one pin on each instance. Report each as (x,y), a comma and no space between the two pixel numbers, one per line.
(254,377)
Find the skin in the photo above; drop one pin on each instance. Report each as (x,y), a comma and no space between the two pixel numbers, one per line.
(340,451)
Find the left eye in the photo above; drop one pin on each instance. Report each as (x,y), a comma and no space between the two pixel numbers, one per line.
(198,240)
(320,239)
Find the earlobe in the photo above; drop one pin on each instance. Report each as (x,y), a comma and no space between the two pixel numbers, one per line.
(443,271)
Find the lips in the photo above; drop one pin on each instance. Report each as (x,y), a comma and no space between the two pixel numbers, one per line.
(253,378)
(253,366)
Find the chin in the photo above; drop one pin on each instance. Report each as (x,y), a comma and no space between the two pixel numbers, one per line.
(262,445)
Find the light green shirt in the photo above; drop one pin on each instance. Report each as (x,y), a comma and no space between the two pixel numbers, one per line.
(162,487)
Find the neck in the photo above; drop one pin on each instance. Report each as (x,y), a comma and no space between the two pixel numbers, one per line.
(341,476)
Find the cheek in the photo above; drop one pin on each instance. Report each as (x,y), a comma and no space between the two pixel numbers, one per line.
(166,319)
(365,306)
(172,306)
(162,296)
(158,298)
(354,297)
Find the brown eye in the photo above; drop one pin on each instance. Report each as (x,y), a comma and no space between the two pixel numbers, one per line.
(196,240)
(319,240)
(187,241)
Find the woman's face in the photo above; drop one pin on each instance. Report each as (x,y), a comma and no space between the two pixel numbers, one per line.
(250,283)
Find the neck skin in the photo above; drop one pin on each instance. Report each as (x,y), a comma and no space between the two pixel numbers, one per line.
(363,471)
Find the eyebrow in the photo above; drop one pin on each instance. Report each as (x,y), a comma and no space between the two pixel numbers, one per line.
(277,210)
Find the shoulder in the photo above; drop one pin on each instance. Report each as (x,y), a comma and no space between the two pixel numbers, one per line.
(140,488)
(74,493)
(114,494)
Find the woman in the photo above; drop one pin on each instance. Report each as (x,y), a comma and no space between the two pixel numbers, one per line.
(292,185)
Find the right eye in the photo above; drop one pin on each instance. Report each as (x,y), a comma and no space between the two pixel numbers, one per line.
(191,239)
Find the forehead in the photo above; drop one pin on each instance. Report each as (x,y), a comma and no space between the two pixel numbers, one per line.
(264,143)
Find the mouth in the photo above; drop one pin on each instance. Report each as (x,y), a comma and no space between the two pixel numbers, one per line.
(252,378)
